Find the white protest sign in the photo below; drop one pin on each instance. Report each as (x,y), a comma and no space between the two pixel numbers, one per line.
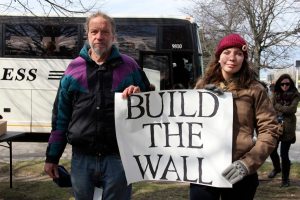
(175,135)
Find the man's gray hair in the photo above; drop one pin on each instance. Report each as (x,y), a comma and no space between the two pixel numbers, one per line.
(103,15)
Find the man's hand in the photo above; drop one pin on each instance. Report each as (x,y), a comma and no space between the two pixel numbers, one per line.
(129,90)
(235,172)
(51,170)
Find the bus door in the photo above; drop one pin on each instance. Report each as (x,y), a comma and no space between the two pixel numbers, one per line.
(158,68)
(168,70)
(183,70)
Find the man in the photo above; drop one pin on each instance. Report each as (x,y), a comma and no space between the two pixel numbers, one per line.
(83,113)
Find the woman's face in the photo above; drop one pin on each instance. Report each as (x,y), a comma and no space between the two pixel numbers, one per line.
(285,84)
(231,61)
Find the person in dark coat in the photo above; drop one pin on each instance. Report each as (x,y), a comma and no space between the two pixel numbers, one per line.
(285,101)
(83,113)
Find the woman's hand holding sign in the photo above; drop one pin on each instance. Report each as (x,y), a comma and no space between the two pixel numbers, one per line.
(235,172)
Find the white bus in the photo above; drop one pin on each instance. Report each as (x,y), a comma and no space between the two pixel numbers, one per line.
(35,51)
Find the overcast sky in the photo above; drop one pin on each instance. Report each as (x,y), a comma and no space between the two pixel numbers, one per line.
(155,8)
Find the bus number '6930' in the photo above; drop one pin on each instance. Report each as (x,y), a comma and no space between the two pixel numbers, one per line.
(176,46)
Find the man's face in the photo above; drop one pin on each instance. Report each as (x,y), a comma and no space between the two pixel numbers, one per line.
(100,36)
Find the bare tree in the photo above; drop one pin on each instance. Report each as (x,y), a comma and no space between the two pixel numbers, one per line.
(215,21)
(49,7)
(271,27)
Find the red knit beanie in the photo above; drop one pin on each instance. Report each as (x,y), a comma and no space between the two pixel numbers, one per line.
(229,41)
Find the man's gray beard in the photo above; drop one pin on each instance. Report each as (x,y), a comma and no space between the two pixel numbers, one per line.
(98,52)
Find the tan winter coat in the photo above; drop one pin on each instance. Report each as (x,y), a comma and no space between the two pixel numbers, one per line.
(253,110)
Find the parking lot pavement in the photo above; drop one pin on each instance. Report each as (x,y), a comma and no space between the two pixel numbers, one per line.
(29,151)
(295,148)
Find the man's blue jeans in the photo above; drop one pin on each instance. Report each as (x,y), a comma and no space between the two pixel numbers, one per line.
(88,171)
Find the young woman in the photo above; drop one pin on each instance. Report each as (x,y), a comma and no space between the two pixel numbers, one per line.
(285,101)
(229,71)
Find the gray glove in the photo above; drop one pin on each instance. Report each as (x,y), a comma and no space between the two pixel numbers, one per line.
(235,172)
(214,89)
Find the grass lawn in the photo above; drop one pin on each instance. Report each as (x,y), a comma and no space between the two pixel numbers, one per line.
(31,183)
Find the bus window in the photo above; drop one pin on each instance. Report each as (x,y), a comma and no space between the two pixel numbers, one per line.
(50,48)
(35,40)
(134,38)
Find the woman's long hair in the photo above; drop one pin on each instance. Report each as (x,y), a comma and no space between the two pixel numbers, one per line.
(277,87)
(213,75)
(285,97)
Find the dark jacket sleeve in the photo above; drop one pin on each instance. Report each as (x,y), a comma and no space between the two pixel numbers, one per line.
(290,109)
(61,114)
